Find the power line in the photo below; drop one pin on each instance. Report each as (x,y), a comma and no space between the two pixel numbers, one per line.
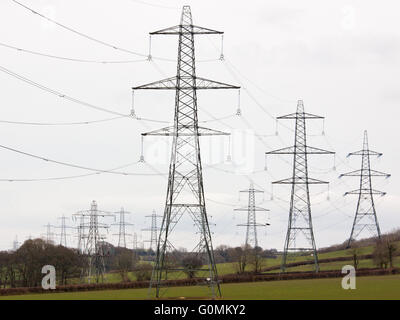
(72,99)
(59,94)
(74,165)
(65,177)
(81,34)
(47,55)
(60,123)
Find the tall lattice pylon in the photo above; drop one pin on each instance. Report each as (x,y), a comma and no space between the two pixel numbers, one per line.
(94,244)
(153,230)
(365,217)
(185,193)
(15,244)
(122,234)
(252,224)
(80,228)
(63,234)
(134,241)
(49,235)
(300,234)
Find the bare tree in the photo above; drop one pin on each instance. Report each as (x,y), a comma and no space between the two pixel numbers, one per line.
(384,251)
(255,259)
(143,271)
(239,256)
(191,264)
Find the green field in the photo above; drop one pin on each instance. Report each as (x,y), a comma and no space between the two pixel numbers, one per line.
(376,287)
(229,268)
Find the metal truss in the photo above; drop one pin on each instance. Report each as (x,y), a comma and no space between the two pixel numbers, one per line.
(300,227)
(122,228)
(185,192)
(251,209)
(94,240)
(365,217)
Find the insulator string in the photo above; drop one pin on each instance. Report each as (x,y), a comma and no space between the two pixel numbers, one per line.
(222,57)
(149,57)
(238,111)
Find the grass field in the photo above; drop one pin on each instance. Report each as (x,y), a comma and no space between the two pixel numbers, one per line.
(229,268)
(376,287)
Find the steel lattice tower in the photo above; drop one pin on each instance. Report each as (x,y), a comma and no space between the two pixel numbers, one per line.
(94,241)
(300,222)
(185,192)
(134,241)
(80,231)
(63,234)
(365,217)
(153,230)
(251,232)
(49,236)
(122,228)
(15,244)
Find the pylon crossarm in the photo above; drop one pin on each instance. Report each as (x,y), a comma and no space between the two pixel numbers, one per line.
(185,131)
(202,83)
(365,153)
(372,173)
(307,150)
(302,115)
(252,190)
(300,180)
(253,209)
(365,191)
(252,225)
(168,83)
(185,83)
(288,150)
(312,150)
(184,29)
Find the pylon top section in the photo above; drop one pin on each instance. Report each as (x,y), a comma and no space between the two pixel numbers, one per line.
(186,26)
(365,150)
(300,114)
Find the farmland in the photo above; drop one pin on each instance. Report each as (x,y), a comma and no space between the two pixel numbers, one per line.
(274,264)
(374,287)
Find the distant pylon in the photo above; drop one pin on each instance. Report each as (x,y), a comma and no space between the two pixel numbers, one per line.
(122,228)
(251,209)
(80,231)
(134,241)
(63,234)
(15,244)
(49,235)
(365,217)
(153,230)
(185,193)
(94,246)
(300,222)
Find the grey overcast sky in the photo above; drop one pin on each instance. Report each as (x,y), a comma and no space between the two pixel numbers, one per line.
(341,57)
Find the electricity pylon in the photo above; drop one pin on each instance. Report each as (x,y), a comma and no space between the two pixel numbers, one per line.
(300,222)
(63,234)
(185,193)
(365,218)
(94,241)
(134,241)
(15,244)
(122,228)
(251,209)
(153,230)
(80,231)
(49,235)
